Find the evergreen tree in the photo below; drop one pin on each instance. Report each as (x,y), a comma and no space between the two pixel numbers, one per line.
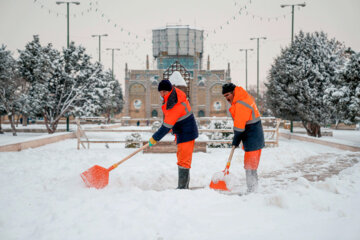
(112,101)
(343,95)
(299,77)
(87,82)
(11,87)
(61,84)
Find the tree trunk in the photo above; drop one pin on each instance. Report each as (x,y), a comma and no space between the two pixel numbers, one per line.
(108,114)
(17,120)
(1,131)
(312,129)
(50,126)
(12,125)
(25,118)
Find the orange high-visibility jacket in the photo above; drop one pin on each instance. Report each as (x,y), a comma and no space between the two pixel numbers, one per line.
(178,117)
(247,122)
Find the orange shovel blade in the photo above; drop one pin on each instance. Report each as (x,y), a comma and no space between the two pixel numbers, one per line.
(220,185)
(97,177)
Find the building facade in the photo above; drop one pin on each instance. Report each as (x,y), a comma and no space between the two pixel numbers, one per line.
(176,49)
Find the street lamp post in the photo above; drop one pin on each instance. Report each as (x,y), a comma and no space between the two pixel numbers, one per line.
(68,39)
(257,89)
(292,14)
(246,75)
(292,33)
(99,35)
(112,50)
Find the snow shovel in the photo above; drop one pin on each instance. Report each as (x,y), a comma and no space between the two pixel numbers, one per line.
(218,180)
(98,177)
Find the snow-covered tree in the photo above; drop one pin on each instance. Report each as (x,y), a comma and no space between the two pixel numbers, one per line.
(112,99)
(260,102)
(352,79)
(299,77)
(11,87)
(61,84)
(2,113)
(343,94)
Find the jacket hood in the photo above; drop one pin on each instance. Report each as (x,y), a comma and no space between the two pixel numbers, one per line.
(175,96)
(239,94)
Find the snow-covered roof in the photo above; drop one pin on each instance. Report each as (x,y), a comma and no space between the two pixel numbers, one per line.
(177,80)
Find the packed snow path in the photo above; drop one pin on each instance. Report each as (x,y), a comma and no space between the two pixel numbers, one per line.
(313,169)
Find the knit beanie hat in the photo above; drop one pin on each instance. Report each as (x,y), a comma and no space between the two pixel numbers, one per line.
(165,85)
(228,87)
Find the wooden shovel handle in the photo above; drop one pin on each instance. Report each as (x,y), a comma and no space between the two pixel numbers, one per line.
(126,158)
(230,157)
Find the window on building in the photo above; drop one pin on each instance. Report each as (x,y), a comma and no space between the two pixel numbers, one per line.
(154,113)
(217,106)
(201,113)
(137,104)
(217,89)
(137,88)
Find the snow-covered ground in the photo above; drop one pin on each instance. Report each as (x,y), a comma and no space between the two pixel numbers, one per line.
(347,137)
(307,191)
(38,126)
(72,127)
(8,138)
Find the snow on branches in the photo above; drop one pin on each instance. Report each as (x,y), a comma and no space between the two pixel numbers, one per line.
(63,83)
(300,78)
(12,87)
(343,95)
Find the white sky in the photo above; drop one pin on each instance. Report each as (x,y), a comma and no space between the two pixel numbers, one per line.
(20,19)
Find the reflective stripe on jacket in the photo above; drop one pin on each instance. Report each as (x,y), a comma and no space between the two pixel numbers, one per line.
(247,122)
(178,117)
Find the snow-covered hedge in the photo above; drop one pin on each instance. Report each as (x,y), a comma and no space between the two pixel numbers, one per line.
(134,137)
(220,124)
(155,126)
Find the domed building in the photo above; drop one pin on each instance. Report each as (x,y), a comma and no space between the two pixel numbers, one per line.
(178,52)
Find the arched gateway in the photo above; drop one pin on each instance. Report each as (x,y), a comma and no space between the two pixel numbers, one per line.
(185,74)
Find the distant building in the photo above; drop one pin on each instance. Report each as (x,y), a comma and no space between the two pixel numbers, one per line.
(178,51)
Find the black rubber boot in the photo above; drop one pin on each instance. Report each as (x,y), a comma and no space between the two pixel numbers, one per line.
(184,178)
(251,180)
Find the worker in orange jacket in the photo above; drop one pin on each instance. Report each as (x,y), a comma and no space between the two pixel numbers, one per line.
(179,118)
(247,128)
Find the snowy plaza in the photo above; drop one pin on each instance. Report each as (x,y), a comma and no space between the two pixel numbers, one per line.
(179,120)
(306,191)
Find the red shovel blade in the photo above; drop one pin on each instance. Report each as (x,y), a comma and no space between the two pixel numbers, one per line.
(220,185)
(218,181)
(97,177)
